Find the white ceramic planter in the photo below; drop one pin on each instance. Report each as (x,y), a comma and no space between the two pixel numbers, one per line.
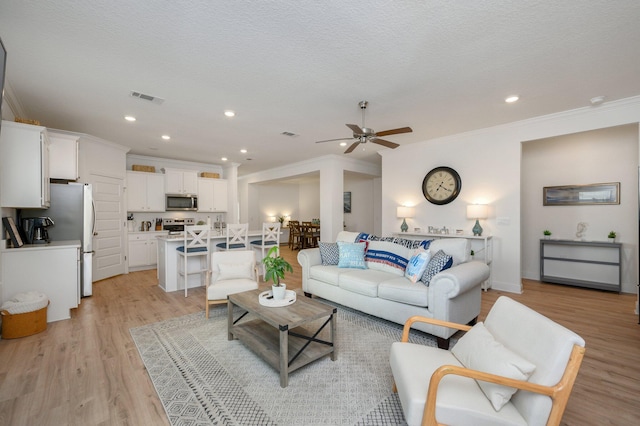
(279,291)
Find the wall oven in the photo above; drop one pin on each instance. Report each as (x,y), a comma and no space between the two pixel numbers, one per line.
(181,203)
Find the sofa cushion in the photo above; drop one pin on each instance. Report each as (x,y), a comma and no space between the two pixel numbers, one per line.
(402,290)
(329,253)
(362,281)
(478,350)
(351,255)
(417,264)
(326,273)
(387,256)
(458,248)
(438,263)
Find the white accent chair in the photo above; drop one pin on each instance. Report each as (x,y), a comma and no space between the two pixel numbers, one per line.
(270,238)
(237,237)
(196,244)
(231,272)
(436,388)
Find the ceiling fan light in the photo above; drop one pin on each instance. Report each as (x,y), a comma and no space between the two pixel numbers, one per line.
(512,99)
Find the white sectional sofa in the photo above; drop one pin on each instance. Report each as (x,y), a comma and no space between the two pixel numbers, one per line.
(452,294)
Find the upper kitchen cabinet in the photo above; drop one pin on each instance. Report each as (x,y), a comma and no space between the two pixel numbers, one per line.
(24,166)
(63,155)
(181,181)
(212,195)
(145,192)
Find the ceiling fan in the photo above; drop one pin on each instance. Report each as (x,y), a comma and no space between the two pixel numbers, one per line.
(366,134)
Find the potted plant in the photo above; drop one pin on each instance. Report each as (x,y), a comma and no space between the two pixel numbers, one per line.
(274,268)
(473,253)
(547,234)
(281,220)
(612,236)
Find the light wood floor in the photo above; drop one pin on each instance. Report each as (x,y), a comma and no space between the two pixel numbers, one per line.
(87,371)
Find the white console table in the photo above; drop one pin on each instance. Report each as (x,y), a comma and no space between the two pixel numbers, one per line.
(591,264)
(482,247)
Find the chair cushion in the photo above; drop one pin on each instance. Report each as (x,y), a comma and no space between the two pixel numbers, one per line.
(329,253)
(478,350)
(232,246)
(351,255)
(259,243)
(220,289)
(232,271)
(438,263)
(191,249)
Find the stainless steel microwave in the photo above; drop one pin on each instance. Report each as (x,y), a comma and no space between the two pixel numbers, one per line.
(181,203)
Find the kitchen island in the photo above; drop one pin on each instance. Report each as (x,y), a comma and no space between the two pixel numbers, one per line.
(168,260)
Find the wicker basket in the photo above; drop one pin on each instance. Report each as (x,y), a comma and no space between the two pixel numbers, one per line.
(140,168)
(26,121)
(210,175)
(22,325)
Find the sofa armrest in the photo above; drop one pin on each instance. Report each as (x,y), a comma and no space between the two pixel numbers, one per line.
(308,258)
(459,279)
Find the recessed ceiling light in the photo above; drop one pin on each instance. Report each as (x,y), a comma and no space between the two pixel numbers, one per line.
(129,118)
(166,137)
(343,144)
(229,113)
(224,158)
(511,99)
(244,151)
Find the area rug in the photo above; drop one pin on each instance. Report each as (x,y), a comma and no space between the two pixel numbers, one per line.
(204,379)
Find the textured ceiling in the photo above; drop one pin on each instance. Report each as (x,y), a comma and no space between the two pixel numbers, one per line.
(441,67)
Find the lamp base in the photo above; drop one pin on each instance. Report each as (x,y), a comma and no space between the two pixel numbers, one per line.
(404,227)
(477,229)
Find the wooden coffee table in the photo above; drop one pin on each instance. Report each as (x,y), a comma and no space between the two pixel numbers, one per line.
(274,333)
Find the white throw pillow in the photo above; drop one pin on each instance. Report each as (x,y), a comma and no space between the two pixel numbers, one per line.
(417,264)
(234,271)
(478,350)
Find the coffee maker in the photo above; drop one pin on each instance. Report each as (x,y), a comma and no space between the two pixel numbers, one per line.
(35,229)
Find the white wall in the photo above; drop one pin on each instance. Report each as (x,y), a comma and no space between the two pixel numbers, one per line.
(363,207)
(488,161)
(309,200)
(597,156)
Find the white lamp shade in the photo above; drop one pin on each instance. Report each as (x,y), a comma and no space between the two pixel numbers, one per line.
(477,211)
(271,219)
(403,212)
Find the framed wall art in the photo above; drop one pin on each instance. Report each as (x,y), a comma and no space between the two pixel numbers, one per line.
(577,195)
(347,202)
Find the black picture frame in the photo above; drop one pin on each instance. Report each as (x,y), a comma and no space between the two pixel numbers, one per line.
(12,229)
(347,202)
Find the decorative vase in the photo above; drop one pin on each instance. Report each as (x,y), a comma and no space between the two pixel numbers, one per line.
(612,240)
(404,227)
(279,291)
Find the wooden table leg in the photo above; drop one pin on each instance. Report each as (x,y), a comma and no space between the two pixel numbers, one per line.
(229,320)
(334,335)
(284,356)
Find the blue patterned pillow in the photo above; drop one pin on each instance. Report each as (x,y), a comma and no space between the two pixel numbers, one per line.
(329,253)
(438,263)
(351,255)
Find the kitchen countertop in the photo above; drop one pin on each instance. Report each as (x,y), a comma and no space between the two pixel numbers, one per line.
(53,245)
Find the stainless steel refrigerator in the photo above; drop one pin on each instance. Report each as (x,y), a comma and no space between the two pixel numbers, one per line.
(73,214)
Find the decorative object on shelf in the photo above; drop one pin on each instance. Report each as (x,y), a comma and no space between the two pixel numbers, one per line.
(612,236)
(275,266)
(547,234)
(441,185)
(281,220)
(581,230)
(575,195)
(477,212)
(403,213)
(347,202)
(210,175)
(142,168)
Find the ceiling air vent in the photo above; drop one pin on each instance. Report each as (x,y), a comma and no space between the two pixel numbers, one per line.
(156,100)
(291,135)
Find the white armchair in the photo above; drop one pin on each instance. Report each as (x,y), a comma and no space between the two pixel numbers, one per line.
(516,368)
(231,272)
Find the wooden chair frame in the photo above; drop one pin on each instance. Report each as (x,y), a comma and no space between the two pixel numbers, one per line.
(195,237)
(559,393)
(237,233)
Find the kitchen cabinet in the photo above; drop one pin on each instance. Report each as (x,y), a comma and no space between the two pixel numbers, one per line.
(24,166)
(143,250)
(63,156)
(212,195)
(145,192)
(52,269)
(181,181)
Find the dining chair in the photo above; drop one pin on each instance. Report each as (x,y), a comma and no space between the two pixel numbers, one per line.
(294,235)
(270,238)
(237,237)
(196,244)
(310,234)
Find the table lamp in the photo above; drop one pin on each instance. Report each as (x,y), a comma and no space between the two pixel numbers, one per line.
(477,212)
(403,213)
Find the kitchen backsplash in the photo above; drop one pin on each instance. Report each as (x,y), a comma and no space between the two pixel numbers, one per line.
(151,217)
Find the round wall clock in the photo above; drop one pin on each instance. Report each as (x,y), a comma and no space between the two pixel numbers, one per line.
(441,185)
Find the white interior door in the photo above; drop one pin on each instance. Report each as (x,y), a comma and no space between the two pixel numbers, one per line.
(109,235)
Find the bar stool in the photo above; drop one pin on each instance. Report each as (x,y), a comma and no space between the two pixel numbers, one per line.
(237,237)
(196,244)
(270,238)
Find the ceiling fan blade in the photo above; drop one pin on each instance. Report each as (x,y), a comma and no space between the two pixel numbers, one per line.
(352,147)
(333,140)
(388,144)
(355,128)
(394,131)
